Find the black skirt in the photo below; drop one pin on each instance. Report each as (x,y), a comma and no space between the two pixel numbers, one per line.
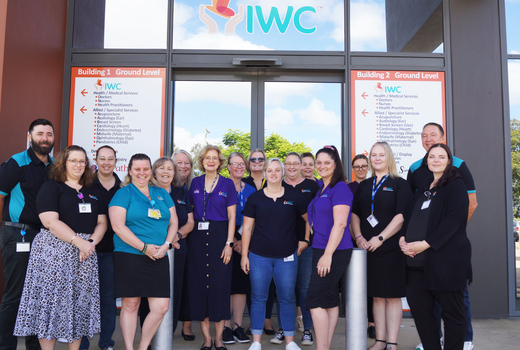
(324,292)
(240,283)
(137,275)
(385,270)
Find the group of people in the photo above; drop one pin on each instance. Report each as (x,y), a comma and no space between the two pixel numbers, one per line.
(73,240)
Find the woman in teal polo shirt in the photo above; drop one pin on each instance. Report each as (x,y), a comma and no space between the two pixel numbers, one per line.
(145,222)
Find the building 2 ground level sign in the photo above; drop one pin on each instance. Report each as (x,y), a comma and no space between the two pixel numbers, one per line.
(393,106)
(119,107)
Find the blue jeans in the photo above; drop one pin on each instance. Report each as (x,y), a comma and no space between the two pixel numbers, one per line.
(302,284)
(107,302)
(467,307)
(284,273)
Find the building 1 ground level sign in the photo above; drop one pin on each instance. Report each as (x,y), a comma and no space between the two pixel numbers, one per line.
(393,106)
(119,107)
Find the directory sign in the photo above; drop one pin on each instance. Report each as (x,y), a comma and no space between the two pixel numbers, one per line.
(393,106)
(119,107)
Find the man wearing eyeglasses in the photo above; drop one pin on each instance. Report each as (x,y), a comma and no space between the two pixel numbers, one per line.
(20,180)
(418,176)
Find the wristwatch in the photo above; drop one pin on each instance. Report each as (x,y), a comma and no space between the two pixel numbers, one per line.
(180,235)
(381,238)
(231,244)
(169,245)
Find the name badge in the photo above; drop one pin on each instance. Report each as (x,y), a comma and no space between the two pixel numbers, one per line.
(84,208)
(154,213)
(240,229)
(23,247)
(289,258)
(426,204)
(372,220)
(204,225)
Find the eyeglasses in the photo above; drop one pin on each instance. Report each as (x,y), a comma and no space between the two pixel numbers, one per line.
(75,161)
(109,159)
(208,159)
(257,160)
(288,165)
(362,167)
(238,165)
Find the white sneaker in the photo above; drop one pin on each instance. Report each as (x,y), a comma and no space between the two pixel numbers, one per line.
(299,323)
(468,345)
(292,346)
(419,347)
(255,346)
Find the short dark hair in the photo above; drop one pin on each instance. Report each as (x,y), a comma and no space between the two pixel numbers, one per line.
(449,173)
(59,168)
(338,174)
(40,121)
(105,146)
(441,129)
(307,154)
(359,156)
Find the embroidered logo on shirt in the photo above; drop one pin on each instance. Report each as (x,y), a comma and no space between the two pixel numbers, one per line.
(196,191)
(324,195)
(93,197)
(288,202)
(389,189)
(180,202)
(160,198)
(224,194)
(305,191)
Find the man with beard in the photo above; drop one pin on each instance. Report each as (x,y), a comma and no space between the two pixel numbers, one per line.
(20,180)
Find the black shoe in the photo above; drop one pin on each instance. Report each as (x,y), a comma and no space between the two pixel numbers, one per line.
(188,337)
(227,336)
(206,347)
(240,335)
(248,330)
(371,332)
(269,331)
(220,347)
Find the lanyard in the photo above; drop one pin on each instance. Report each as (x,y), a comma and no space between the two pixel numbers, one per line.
(374,190)
(150,201)
(211,191)
(241,196)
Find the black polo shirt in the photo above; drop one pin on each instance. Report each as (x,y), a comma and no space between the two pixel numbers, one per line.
(106,245)
(307,189)
(419,175)
(21,178)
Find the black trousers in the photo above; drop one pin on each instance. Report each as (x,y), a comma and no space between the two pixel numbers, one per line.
(422,303)
(15,267)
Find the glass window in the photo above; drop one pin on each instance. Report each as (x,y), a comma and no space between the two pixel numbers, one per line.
(512,8)
(313,25)
(396,26)
(120,24)
(205,111)
(307,115)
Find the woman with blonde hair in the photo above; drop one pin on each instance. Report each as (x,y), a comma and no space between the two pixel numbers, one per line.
(210,246)
(378,210)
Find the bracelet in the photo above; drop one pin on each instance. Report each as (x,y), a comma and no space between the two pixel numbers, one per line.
(355,239)
(144,249)
(73,238)
(308,242)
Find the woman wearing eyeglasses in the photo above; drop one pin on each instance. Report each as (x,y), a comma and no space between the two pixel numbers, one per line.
(240,285)
(360,168)
(438,252)
(60,297)
(378,212)
(210,246)
(254,166)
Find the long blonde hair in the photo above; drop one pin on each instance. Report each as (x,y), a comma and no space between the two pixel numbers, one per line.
(390,160)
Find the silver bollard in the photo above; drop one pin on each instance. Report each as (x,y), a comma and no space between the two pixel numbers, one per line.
(163,339)
(356,301)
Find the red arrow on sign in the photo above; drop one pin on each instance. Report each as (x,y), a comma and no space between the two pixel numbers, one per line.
(84,92)
(365,153)
(364,95)
(364,112)
(83,109)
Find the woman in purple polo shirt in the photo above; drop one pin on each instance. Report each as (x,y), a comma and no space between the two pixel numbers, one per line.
(329,216)
(210,246)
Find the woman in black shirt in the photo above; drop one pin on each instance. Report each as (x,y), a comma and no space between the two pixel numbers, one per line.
(438,253)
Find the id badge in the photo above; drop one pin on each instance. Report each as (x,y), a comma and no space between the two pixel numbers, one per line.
(289,258)
(84,208)
(426,204)
(241,229)
(312,231)
(372,220)
(154,213)
(23,247)
(204,225)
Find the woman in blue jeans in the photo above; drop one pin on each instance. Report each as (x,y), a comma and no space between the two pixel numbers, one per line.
(270,251)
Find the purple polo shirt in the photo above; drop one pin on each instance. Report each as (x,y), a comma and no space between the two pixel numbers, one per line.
(320,213)
(223,196)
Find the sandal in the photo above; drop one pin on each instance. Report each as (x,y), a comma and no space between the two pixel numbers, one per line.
(381,341)
(391,348)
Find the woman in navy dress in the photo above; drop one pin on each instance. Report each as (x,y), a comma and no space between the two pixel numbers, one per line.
(210,246)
